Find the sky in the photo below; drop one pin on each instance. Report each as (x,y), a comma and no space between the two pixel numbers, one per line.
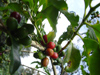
(73,5)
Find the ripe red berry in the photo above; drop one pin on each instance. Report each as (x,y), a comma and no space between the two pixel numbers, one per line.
(49,51)
(55,55)
(45,38)
(51,45)
(16,15)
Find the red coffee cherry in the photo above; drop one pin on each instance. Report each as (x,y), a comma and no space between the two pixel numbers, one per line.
(49,51)
(51,45)
(55,55)
(16,15)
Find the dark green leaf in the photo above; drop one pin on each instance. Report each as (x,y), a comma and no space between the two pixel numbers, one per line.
(51,13)
(15,61)
(90,45)
(74,19)
(94,63)
(97,30)
(59,4)
(30,2)
(51,35)
(18,7)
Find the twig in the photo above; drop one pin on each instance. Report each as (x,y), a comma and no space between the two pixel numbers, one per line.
(21,51)
(53,67)
(35,69)
(36,27)
(62,69)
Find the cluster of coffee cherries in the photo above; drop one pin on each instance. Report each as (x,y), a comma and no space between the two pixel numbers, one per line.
(19,32)
(51,51)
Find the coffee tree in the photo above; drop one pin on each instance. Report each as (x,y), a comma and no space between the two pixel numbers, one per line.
(16,35)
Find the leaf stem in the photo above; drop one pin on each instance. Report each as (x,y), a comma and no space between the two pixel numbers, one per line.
(84,19)
(79,36)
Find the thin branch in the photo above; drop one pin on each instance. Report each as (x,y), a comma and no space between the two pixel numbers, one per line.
(35,69)
(26,51)
(21,51)
(62,69)
(36,27)
(84,19)
(53,67)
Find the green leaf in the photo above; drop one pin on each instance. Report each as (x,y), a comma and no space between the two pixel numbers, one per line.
(91,34)
(87,2)
(15,7)
(15,61)
(30,2)
(94,63)
(42,2)
(46,4)
(35,6)
(74,19)
(68,54)
(66,35)
(18,7)
(96,28)
(62,37)
(73,59)
(51,35)
(59,4)
(51,13)
(90,45)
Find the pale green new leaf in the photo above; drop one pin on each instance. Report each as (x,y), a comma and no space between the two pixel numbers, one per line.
(51,35)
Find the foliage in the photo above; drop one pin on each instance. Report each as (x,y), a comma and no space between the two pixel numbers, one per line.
(22,35)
